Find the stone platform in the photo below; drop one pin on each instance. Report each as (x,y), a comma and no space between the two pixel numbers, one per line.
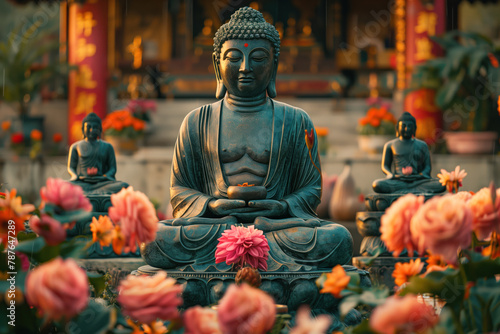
(288,288)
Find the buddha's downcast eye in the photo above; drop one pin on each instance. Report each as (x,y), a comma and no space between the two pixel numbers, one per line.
(233,56)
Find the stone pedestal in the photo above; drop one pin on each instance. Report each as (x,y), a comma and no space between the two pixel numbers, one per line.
(288,288)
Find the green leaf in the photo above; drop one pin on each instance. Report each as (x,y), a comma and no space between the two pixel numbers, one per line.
(96,318)
(348,303)
(475,61)
(31,246)
(74,248)
(446,93)
(362,328)
(98,282)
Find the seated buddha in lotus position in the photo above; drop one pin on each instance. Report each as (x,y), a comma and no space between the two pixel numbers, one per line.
(92,162)
(411,160)
(247,138)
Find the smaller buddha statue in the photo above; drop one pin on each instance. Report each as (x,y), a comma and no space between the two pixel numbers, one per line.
(92,162)
(411,161)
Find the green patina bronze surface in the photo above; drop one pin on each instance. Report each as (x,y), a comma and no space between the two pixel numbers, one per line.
(247,137)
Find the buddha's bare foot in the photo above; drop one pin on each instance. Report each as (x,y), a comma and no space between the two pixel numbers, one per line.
(270,225)
(230,220)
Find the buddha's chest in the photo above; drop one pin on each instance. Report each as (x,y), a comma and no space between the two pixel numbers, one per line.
(245,135)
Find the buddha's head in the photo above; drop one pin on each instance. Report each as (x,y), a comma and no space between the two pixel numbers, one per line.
(245,57)
(407,126)
(91,127)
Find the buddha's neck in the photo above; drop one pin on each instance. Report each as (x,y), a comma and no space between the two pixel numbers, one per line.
(245,104)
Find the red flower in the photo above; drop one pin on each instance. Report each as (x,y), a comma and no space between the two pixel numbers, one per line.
(17,138)
(36,135)
(309,139)
(493,60)
(57,138)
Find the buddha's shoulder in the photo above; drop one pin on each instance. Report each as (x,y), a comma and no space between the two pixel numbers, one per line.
(291,110)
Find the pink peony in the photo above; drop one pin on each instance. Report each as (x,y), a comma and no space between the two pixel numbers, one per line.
(486,216)
(201,320)
(463,195)
(147,298)
(305,324)
(67,196)
(442,225)
(50,229)
(403,315)
(243,245)
(395,224)
(58,288)
(246,310)
(135,215)
(407,170)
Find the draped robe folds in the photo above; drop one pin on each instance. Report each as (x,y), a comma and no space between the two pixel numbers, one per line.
(197,178)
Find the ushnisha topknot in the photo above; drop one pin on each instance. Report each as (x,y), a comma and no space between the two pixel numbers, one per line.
(247,23)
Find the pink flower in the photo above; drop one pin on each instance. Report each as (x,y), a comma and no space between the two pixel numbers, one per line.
(486,215)
(452,180)
(408,170)
(147,298)
(25,261)
(463,195)
(92,171)
(442,225)
(58,288)
(246,310)
(395,224)
(135,215)
(403,315)
(201,320)
(243,245)
(305,324)
(50,229)
(67,196)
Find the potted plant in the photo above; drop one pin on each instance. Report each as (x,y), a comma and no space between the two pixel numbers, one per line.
(377,127)
(463,81)
(122,130)
(19,55)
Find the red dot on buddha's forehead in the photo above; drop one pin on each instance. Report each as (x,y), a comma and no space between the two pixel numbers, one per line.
(246,45)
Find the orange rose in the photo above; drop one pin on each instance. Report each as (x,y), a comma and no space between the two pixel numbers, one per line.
(375,122)
(363,121)
(36,134)
(336,281)
(404,271)
(372,112)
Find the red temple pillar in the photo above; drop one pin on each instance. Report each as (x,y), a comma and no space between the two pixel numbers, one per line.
(88,29)
(423,21)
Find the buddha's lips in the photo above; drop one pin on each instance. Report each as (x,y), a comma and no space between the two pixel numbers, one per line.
(245,79)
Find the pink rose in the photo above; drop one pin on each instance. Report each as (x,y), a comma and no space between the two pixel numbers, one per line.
(147,298)
(442,225)
(305,324)
(58,288)
(201,320)
(403,315)
(68,196)
(486,215)
(135,215)
(395,224)
(246,310)
(50,229)
(242,245)
(463,195)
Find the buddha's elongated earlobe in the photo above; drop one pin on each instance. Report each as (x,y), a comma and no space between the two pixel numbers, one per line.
(271,87)
(221,89)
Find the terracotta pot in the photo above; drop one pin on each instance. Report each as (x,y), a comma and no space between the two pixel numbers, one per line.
(373,143)
(471,142)
(123,146)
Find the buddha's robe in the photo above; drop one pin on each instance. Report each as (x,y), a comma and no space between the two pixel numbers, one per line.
(99,157)
(197,177)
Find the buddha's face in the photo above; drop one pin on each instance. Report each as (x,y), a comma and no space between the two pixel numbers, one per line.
(246,66)
(406,129)
(92,130)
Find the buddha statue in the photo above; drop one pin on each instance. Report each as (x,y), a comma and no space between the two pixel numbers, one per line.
(91,161)
(247,138)
(411,160)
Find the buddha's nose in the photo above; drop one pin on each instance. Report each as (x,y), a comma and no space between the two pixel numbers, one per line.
(245,65)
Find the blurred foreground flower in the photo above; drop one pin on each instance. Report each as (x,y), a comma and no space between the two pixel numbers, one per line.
(403,315)
(243,245)
(135,215)
(50,229)
(442,225)
(65,195)
(305,324)
(148,298)
(103,230)
(395,224)
(336,281)
(485,205)
(246,310)
(58,288)
(11,208)
(201,320)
